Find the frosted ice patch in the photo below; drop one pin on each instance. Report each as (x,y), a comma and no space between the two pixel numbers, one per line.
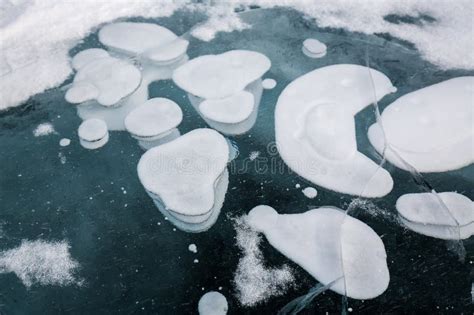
(87,56)
(107,80)
(93,133)
(328,244)
(230,110)
(254,281)
(153,119)
(310,192)
(184,175)
(313,48)
(64,142)
(44,129)
(213,303)
(40,262)
(269,84)
(315,129)
(424,214)
(219,76)
(431,128)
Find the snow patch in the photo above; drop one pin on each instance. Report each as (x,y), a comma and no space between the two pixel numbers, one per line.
(255,282)
(44,129)
(40,262)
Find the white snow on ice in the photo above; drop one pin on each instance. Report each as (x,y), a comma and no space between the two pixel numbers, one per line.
(40,262)
(44,129)
(87,56)
(37,35)
(255,282)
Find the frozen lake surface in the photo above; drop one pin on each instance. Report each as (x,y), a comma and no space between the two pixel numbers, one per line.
(125,257)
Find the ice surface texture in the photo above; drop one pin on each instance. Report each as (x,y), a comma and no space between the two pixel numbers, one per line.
(328,244)
(315,130)
(423,213)
(432,129)
(40,262)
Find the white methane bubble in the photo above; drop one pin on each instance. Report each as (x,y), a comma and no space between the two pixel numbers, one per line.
(425,214)
(213,303)
(154,122)
(315,128)
(269,84)
(41,263)
(187,178)
(313,48)
(193,248)
(310,192)
(330,245)
(430,129)
(93,133)
(225,89)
